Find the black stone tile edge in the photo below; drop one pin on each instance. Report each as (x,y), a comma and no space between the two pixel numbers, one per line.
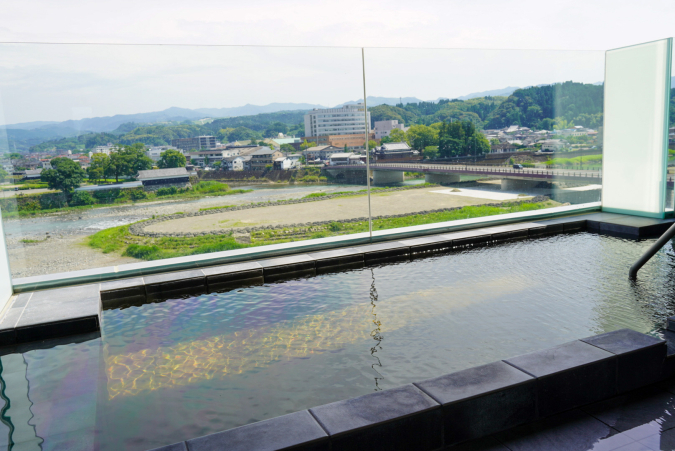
(474,396)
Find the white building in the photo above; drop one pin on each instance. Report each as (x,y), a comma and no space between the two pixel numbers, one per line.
(383,128)
(342,158)
(105,149)
(286,163)
(237,163)
(551,145)
(346,120)
(155,152)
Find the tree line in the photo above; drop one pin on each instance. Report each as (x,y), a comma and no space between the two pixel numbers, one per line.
(443,139)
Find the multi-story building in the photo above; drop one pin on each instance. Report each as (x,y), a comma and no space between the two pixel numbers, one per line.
(197,143)
(320,152)
(383,128)
(107,149)
(346,120)
(551,145)
(155,152)
(262,157)
(201,157)
(236,163)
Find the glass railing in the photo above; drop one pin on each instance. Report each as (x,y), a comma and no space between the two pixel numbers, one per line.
(123,154)
(490,132)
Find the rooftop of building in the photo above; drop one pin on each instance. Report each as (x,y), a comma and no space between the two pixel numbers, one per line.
(162,173)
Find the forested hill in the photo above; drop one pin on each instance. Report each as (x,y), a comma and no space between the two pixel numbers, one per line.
(539,106)
(259,126)
(475,110)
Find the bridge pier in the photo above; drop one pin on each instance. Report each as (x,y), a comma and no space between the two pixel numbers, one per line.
(441,179)
(387,177)
(518,184)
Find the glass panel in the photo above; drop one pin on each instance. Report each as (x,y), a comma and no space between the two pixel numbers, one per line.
(237,114)
(470,133)
(670,199)
(5,276)
(637,87)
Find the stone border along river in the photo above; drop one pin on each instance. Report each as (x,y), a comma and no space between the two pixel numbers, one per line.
(138,228)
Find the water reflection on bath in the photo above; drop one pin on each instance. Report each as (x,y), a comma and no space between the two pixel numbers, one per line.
(178,369)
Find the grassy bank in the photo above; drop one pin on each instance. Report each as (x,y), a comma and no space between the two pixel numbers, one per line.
(119,239)
(34,204)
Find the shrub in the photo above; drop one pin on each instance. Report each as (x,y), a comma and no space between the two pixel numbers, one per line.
(210,187)
(82,198)
(141,251)
(312,195)
(335,227)
(107,196)
(168,191)
(138,194)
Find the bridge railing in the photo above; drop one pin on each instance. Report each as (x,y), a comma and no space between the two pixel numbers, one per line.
(549,173)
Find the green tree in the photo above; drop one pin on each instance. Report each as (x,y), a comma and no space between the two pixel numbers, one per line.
(127,161)
(372,144)
(65,175)
(97,167)
(171,158)
(346,149)
(305,145)
(397,136)
(430,152)
(287,148)
(421,136)
(461,138)
(562,124)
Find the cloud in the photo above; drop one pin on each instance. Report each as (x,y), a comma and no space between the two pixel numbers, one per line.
(47,82)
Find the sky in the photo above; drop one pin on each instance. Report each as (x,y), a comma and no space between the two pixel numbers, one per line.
(425,49)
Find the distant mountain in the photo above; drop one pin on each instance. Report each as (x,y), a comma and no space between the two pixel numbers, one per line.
(376,101)
(250,110)
(110,123)
(494,92)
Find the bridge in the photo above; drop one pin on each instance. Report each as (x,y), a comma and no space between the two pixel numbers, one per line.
(512,179)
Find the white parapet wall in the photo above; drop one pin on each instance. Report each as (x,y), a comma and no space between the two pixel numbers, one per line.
(5,274)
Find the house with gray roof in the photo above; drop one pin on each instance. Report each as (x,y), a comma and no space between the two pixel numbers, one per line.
(153,179)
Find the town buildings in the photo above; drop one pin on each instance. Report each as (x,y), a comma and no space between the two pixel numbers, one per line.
(320,152)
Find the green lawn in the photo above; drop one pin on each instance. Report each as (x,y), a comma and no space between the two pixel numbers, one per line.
(118,239)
